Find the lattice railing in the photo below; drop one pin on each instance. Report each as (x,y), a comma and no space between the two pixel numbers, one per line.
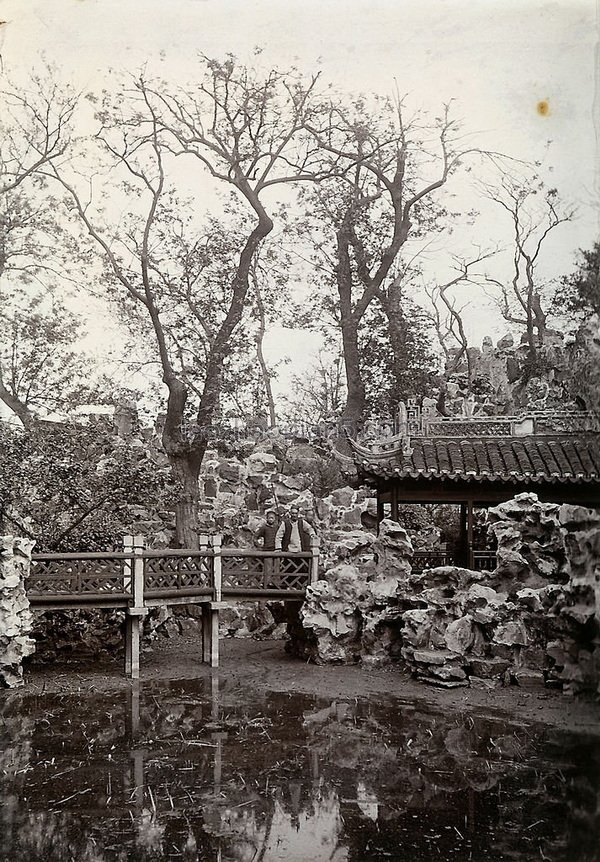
(248,570)
(483,561)
(168,571)
(83,575)
(131,578)
(422,560)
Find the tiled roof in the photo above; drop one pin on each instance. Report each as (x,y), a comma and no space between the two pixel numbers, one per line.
(572,459)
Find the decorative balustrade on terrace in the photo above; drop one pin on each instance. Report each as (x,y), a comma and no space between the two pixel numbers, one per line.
(411,421)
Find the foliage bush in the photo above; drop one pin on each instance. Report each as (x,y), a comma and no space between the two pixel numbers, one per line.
(74,487)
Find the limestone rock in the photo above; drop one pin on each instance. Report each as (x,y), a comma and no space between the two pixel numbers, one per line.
(16,619)
(342,496)
(505,342)
(349,545)
(489,668)
(393,550)
(511,633)
(301,458)
(460,635)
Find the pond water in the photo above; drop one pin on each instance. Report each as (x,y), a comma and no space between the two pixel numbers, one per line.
(208,770)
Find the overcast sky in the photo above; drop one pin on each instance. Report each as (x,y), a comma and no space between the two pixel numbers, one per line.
(497,58)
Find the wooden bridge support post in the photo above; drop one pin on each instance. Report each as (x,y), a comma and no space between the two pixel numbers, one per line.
(210,611)
(314,563)
(134,614)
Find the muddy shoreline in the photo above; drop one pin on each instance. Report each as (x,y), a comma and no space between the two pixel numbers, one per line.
(265,665)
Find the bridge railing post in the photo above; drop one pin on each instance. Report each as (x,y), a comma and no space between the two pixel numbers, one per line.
(210,610)
(127,564)
(134,570)
(216,543)
(314,562)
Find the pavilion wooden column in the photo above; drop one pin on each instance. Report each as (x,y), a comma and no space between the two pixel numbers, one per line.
(470,533)
(463,550)
(394,513)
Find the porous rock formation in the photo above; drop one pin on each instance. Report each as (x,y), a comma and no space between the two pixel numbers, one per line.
(506,378)
(534,621)
(350,615)
(238,488)
(15,615)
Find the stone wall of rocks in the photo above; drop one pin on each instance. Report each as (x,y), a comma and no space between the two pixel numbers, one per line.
(15,615)
(237,489)
(534,621)
(502,378)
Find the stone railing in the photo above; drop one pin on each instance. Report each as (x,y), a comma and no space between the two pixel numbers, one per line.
(417,423)
(535,422)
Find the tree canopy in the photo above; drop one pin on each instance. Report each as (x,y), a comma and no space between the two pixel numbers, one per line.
(71,487)
(200,212)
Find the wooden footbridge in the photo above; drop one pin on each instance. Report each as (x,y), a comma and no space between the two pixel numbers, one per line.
(137,579)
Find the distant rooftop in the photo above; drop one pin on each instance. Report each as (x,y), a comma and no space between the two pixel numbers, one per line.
(539,447)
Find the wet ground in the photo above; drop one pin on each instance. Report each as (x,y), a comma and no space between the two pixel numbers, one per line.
(268,759)
(223,767)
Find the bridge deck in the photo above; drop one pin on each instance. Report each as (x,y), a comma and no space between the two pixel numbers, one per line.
(136,579)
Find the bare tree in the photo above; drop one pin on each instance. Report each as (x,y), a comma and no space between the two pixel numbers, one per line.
(448,320)
(35,128)
(261,314)
(41,370)
(534,212)
(247,132)
(318,394)
(387,171)
(38,366)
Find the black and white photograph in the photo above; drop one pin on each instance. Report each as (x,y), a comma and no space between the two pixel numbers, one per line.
(300,430)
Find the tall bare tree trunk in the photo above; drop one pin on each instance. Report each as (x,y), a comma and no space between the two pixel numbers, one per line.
(16,405)
(398,332)
(186,470)
(260,336)
(356,398)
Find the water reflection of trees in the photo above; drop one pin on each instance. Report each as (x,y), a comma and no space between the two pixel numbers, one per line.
(199,773)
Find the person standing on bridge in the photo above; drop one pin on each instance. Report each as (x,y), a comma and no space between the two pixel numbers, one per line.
(294,533)
(265,539)
(267,532)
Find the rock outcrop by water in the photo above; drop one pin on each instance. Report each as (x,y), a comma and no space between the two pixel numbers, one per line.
(534,621)
(15,615)
(350,616)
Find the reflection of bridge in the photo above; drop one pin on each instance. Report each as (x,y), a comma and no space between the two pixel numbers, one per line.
(216,769)
(135,580)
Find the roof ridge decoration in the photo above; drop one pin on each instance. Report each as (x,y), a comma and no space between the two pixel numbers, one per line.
(415,421)
(523,449)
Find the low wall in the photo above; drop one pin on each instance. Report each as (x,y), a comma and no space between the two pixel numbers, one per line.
(15,616)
